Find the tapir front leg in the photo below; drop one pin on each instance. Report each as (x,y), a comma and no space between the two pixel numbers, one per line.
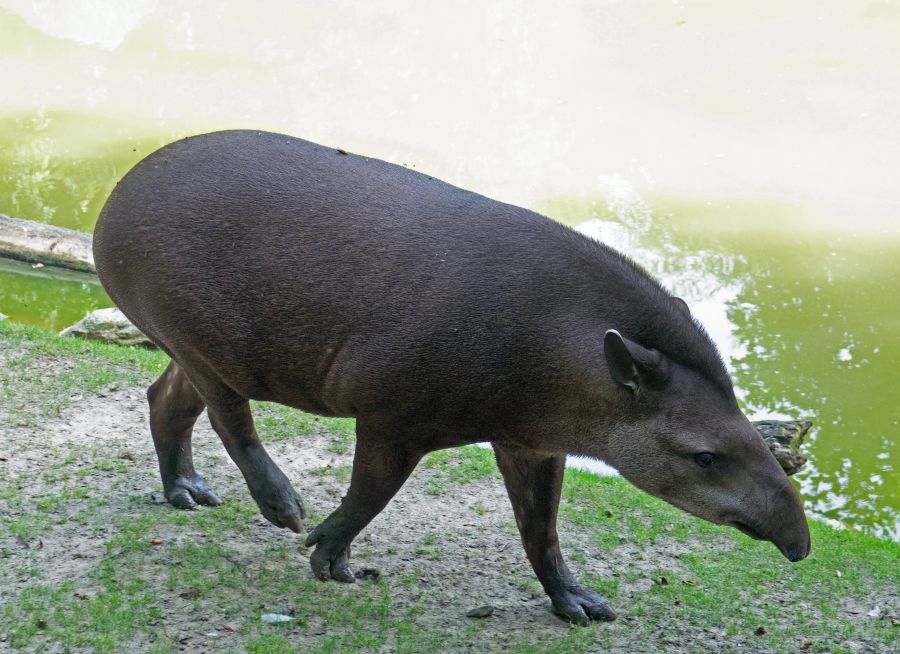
(231,418)
(380,466)
(534,482)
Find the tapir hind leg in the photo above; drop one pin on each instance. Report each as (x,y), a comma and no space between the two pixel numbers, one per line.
(534,482)
(174,407)
(380,466)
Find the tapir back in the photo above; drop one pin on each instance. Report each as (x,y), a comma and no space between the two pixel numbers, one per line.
(329,281)
(337,283)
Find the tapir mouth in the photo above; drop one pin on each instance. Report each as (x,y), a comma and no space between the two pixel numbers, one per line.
(747,529)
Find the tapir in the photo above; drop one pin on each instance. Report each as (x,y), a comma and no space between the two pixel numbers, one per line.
(272,268)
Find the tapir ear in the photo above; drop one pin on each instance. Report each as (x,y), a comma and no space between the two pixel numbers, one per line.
(682,305)
(630,364)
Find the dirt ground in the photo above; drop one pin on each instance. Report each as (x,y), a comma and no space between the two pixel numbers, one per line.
(481,560)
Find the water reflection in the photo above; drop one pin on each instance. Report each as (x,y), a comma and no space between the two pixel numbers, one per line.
(60,166)
(47,297)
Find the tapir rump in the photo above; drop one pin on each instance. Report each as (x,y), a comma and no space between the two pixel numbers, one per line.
(272,268)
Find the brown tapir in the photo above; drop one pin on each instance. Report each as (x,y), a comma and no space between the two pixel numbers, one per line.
(271,268)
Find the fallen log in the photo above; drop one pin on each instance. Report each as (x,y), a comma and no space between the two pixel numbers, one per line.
(45,244)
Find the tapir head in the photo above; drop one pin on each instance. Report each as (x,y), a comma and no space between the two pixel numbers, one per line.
(683,438)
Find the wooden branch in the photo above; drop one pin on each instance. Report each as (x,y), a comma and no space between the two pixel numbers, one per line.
(45,244)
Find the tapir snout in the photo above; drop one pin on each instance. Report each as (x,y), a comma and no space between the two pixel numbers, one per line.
(781,519)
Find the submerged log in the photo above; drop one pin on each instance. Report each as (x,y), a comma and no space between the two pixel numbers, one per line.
(784,438)
(45,244)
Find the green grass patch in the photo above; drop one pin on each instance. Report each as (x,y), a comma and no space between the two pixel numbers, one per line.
(716,573)
(340,473)
(276,422)
(458,465)
(45,373)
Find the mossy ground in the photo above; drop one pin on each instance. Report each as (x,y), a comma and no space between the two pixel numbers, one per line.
(90,562)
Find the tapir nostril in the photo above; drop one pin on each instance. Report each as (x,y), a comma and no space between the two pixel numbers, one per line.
(795,554)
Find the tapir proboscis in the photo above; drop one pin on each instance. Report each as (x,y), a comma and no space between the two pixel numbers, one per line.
(272,268)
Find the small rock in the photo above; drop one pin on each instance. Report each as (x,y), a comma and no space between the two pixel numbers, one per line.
(109,325)
(875,613)
(368,573)
(275,618)
(760,631)
(156,541)
(158,498)
(481,612)
(805,646)
(191,593)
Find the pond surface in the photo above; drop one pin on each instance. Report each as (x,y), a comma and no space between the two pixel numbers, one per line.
(746,155)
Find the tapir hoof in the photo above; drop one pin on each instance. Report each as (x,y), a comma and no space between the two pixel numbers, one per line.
(284,512)
(274,495)
(582,606)
(328,562)
(325,568)
(188,492)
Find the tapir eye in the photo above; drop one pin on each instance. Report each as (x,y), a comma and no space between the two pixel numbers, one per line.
(705,459)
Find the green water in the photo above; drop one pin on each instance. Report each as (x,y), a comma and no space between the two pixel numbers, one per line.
(47,297)
(750,166)
(59,167)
